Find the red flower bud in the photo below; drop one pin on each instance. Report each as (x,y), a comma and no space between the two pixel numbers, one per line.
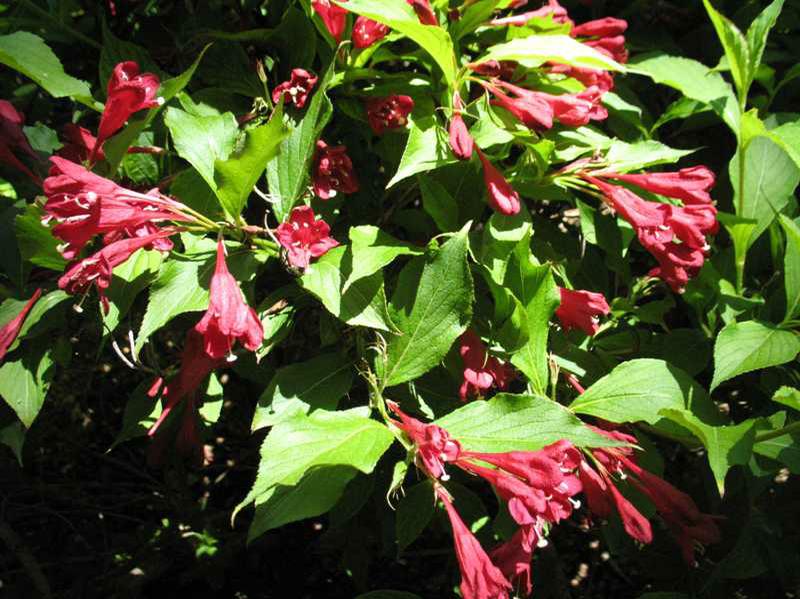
(388,113)
(333,16)
(10,330)
(424,12)
(690,185)
(366,32)
(502,197)
(304,238)
(297,89)
(606,27)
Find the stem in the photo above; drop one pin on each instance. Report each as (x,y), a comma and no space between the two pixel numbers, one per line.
(66,28)
(786,430)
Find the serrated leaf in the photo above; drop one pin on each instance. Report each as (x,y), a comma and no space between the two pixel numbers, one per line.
(288,172)
(202,140)
(746,346)
(427,148)
(25,381)
(42,138)
(316,493)
(129,279)
(791,266)
(373,249)
(694,80)
(401,18)
(414,512)
(735,46)
(28,54)
(758,32)
(535,50)
(318,383)
(363,304)
(322,438)
(640,390)
(623,156)
(509,422)
(788,396)
(439,204)
(431,308)
(36,244)
(236,176)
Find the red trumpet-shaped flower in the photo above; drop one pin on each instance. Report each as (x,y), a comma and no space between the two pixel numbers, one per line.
(602,80)
(128,92)
(228,317)
(97,269)
(581,310)
(10,330)
(606,27)
(424,11)
(480,578)
(84,205)
(502,197)
(513,558)
(297,89)
(79,144)
(690,185)
(552,8)
(434,446)
(12,138)
(333,171)
(366,32)
(388,113)
(481,372)
(538,109)
(304,237)
(503,69)
(334,17)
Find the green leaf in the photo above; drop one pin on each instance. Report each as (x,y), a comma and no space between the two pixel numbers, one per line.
(535,50)
(318,383)
(784,448)
(641,390)
(623,156)
(13,436)
(202,140)
(24,383)
(372,250)
(788,396)
(190,188)
(439,204)
(303,442)
(414,513)
(536,289)
(791,266)
(431,307)
(768,180)
(364,302)
(42,138)
(788,136)
(746,346)
(28,54)
(141,412)
(236,177)
(694,80)
(741,231)
(727,446)
(510,422)
(427,149)
(129,279)
(10,308)
(36,244)
(288,172)
(736,50)
(400,17)
(316,493)
(758,32)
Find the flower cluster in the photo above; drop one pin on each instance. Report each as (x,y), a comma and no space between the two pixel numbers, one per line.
(674,235)
(365,31)
(539,489)
(581,309)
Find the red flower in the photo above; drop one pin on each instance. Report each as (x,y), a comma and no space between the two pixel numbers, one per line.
(333,171)
(480,578)
(304,238)
(530,108)
(228,317)
(388,113)
(602,80)
(553,8)
(502,197)
(366,32)
(690,185)
(481,372)
(12,137)
(162,244)
(581,310)
(295,90)
(334,17)
(10,330)
(424,12)
(433,444)
(606,27)
(84,205)
(79,143)
(613,47)
(513,558)
(128,92)
(503,69)
(97,269)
